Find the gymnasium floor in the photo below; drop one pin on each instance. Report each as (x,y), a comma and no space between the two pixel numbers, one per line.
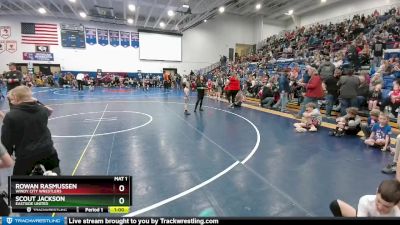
(239,162)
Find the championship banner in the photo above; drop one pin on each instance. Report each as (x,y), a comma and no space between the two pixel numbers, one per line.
(135,39)
(5,31)
(38,56)
(90,35)
(11,46)
(102,35)
(114,38)
(125,39)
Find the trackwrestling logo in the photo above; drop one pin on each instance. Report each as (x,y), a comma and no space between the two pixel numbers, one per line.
(32,220)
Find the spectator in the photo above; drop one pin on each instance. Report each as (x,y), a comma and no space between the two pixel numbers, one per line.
(284,90)
(314,90)
(352,55)
(378,49)
(366,127)
(13,77)
(394,97)
(312,119)
(348,86)
(383,204)
(348,124)
(332,91)
(267,96)
(375,80)
(375,97)
(326,69)
(25,133)
(380,135)
(362,92)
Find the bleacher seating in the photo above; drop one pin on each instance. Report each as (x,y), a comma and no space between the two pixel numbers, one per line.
(296,48)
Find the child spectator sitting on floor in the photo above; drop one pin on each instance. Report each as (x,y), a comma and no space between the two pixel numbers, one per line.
(366,127)
(380,135)
(311,119)
(382,204)
(239,99)
(348,124)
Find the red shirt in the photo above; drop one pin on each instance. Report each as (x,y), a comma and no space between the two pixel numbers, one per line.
(314,88)
(395,95)
(234,84)
(209,84)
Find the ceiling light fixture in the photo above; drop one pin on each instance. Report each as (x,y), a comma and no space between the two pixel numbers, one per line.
(290,12)
(83,14)
(205,21)
(221,9)
(171,13)
(162,24)
(130,20)
(42,10)
(185,6)
(323,1)
(73,1)
(132,7)
(258,6)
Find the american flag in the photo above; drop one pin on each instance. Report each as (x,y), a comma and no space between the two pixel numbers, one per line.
(39,33)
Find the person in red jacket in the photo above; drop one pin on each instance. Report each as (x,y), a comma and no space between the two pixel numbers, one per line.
(233,88)
(314,90)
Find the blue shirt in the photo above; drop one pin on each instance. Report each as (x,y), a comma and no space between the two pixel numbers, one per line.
(284,84)
(371,122)
(381,132)
(56,77)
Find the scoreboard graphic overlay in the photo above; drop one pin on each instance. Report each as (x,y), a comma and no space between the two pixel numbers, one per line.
(86,194)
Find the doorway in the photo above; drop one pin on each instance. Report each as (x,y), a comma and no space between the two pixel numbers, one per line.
(170,71)
(231,53)
(244,49)
(169,75)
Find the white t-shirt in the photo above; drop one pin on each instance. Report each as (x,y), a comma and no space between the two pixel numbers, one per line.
(367,208)
(80,76)
(187,92)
